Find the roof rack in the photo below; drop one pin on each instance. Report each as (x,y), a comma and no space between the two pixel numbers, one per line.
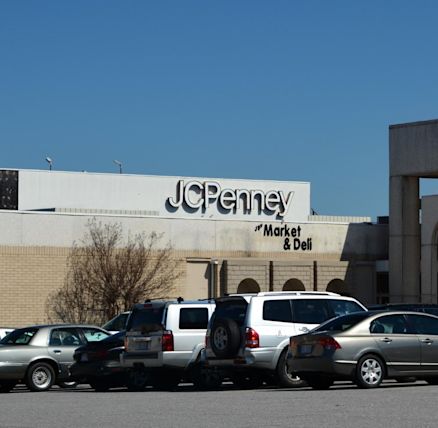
(297,293)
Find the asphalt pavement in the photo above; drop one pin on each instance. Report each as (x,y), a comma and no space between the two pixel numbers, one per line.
(344,405)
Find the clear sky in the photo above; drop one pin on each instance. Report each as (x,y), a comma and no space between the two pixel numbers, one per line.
(282,90)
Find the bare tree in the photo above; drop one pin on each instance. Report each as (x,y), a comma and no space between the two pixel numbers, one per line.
(107,275)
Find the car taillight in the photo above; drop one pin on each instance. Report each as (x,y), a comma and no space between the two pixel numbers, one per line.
(252,338)
(167,341)
(329,343)
(125,343)
(207,339)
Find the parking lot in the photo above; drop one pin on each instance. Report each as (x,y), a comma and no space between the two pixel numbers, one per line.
(344,405)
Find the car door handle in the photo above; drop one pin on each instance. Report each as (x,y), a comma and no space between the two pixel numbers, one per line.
(427,341)
(386,340)
(57,351)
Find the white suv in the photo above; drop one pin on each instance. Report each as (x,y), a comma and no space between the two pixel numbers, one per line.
(248,334)
(164,340)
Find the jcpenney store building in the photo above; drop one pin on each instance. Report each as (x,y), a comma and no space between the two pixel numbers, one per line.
(228,235)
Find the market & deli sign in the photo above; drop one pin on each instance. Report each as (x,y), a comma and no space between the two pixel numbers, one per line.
(195,195)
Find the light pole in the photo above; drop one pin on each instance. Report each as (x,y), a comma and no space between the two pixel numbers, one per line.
(119,164)
(49,161)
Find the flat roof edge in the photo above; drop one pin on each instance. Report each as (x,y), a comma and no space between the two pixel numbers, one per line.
(411,124)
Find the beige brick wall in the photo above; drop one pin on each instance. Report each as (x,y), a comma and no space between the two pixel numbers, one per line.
(238,270)
(302,271)
(28,275)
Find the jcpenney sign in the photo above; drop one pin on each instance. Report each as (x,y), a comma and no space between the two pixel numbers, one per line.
(201,195)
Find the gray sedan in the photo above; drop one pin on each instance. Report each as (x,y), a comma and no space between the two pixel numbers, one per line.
(41,355)
(367,347)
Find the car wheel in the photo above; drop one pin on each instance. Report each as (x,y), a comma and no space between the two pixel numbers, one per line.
(100,385)
(136,380)
(225,337)
(285,378)
(369,372)
(205,379)
(40,377)
(249,380)
(7,385)
(67,385)
(319,383)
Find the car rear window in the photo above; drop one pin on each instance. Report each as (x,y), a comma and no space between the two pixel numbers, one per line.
(146,319)
(21,336)
(342,323)
(234,309)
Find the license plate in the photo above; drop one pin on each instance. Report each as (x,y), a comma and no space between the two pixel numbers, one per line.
(142,346)
(305,349)
(84,357)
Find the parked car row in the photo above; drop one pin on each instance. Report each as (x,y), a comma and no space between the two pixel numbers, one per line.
(288,339)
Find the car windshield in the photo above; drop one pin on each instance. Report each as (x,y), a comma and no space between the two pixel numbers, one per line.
(342,323)
(21,336)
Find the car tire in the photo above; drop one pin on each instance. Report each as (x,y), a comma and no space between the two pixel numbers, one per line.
(100,385)
(7,385)
(247,380)
(285,378)
(137,380)
(370,371)
(225,338)
(40,377)
(319,383)
(205,379)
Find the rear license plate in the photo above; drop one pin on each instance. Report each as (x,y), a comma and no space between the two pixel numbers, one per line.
(84,357)
(142,346)
(305,349)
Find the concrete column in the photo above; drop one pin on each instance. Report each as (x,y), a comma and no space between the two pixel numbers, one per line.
(404,239)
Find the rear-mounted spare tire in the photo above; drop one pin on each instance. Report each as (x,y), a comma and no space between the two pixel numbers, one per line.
(225,338)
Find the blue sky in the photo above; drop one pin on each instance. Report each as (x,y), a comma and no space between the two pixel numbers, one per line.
(282,90)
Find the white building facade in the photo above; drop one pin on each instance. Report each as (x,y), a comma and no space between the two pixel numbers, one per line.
(227,235)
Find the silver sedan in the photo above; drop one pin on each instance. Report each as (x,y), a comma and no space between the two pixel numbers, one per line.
(367,347)
(41,355)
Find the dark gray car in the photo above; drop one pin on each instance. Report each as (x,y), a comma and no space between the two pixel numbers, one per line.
(41,355)
(366,348)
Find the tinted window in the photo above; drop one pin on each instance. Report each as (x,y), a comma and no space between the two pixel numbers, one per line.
(342,323)
(146,319)
(343,307)
(310,311)
(389,324)
(193,318)
(423,324)
(235,309)
(21,336)
(277,310)
(116,324)
(94,334)
(65,337)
